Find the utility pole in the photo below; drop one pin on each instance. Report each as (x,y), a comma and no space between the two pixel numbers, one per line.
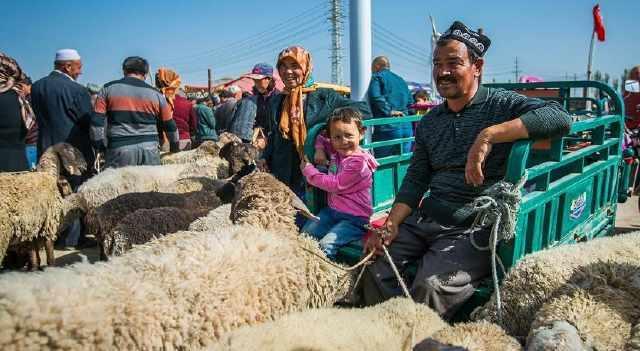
(209,80)
(336,17)
(360,47)
(517,70)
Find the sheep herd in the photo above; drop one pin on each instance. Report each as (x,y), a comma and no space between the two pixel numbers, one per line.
(185,266)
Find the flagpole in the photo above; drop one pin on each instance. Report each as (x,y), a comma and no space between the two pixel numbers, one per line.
(590,62)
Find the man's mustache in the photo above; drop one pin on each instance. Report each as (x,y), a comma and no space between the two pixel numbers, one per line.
(447,80)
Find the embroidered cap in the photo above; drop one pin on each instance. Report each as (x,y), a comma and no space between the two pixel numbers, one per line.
(477,42)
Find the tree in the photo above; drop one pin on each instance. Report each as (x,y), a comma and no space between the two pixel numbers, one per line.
(606,78)
(597,76)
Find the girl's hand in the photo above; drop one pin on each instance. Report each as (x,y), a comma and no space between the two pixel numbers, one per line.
(304,163)
(320,158)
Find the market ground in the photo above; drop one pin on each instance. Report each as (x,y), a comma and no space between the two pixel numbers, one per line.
(628,220)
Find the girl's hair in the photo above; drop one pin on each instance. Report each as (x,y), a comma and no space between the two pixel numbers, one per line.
(421,94)
(345,115)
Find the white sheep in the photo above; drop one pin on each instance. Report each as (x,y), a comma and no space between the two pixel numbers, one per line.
(393,325)
(181,291)
(32,210)
(538,277)
(600,303)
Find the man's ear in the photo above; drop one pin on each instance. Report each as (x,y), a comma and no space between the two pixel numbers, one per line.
(478,65)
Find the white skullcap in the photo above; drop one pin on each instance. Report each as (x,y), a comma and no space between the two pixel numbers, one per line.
(67,55)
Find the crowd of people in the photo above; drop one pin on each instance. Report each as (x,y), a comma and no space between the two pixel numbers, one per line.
(460,146)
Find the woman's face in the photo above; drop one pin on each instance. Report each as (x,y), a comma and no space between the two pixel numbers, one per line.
(291,73)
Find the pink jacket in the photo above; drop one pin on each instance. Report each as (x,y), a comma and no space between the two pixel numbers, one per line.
(349,181)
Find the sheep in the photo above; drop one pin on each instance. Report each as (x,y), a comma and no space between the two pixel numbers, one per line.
(473,336)
(117,181)
(386,326)
(32,210)
(182,291)
(602,303)
(207,150)
(102,220)
(145,225)
(537,277)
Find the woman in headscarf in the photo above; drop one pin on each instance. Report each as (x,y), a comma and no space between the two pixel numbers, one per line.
(300,107)
(168,81)
(16,115)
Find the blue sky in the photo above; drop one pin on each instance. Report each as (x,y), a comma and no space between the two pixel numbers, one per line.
(549,37)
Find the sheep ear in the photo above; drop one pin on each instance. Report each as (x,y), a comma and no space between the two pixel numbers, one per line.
(300,206)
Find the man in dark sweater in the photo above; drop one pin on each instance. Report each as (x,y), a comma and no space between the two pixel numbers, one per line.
(462,148)
(63,107)
(126,115)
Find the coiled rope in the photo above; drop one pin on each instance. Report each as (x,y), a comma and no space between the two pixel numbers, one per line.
(498,208)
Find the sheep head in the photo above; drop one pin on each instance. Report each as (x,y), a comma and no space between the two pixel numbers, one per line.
(62,154)
(239,154)
(209,147)
(226,138)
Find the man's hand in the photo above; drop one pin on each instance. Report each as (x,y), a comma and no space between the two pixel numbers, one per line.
(320,158)
(397,113)
(475,158)
(375,242)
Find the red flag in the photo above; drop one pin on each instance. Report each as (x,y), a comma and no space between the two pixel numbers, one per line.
(598,24)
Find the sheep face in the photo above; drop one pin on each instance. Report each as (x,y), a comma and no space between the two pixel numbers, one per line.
(239,154)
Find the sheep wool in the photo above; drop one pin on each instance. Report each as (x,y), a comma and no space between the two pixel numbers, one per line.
(538,277)
(386,326)
(182,291)
(215,219)
(207,150)
(601,301)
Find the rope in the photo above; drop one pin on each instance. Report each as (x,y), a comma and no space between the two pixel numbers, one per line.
(97,162)
(498,207)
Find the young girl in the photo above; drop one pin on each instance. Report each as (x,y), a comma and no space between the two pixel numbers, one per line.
(348,182)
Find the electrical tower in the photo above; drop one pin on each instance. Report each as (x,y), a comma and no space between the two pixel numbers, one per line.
(336,18)
(517,70)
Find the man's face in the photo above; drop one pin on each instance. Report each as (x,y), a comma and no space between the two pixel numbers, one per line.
(262,84)
(74,69)
(453,71)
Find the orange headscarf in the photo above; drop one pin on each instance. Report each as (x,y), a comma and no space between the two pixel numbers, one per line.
(295,129)
(168,81)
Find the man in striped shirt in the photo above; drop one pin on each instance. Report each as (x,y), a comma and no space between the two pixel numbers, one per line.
(127,116)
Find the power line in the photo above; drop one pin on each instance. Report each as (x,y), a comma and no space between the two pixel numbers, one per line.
(267,34)
(401,41)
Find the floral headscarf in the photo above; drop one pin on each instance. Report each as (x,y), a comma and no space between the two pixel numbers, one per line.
(168,81)
(291,128)
(13,78)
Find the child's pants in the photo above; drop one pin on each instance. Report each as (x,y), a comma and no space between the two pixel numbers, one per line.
(335,229)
